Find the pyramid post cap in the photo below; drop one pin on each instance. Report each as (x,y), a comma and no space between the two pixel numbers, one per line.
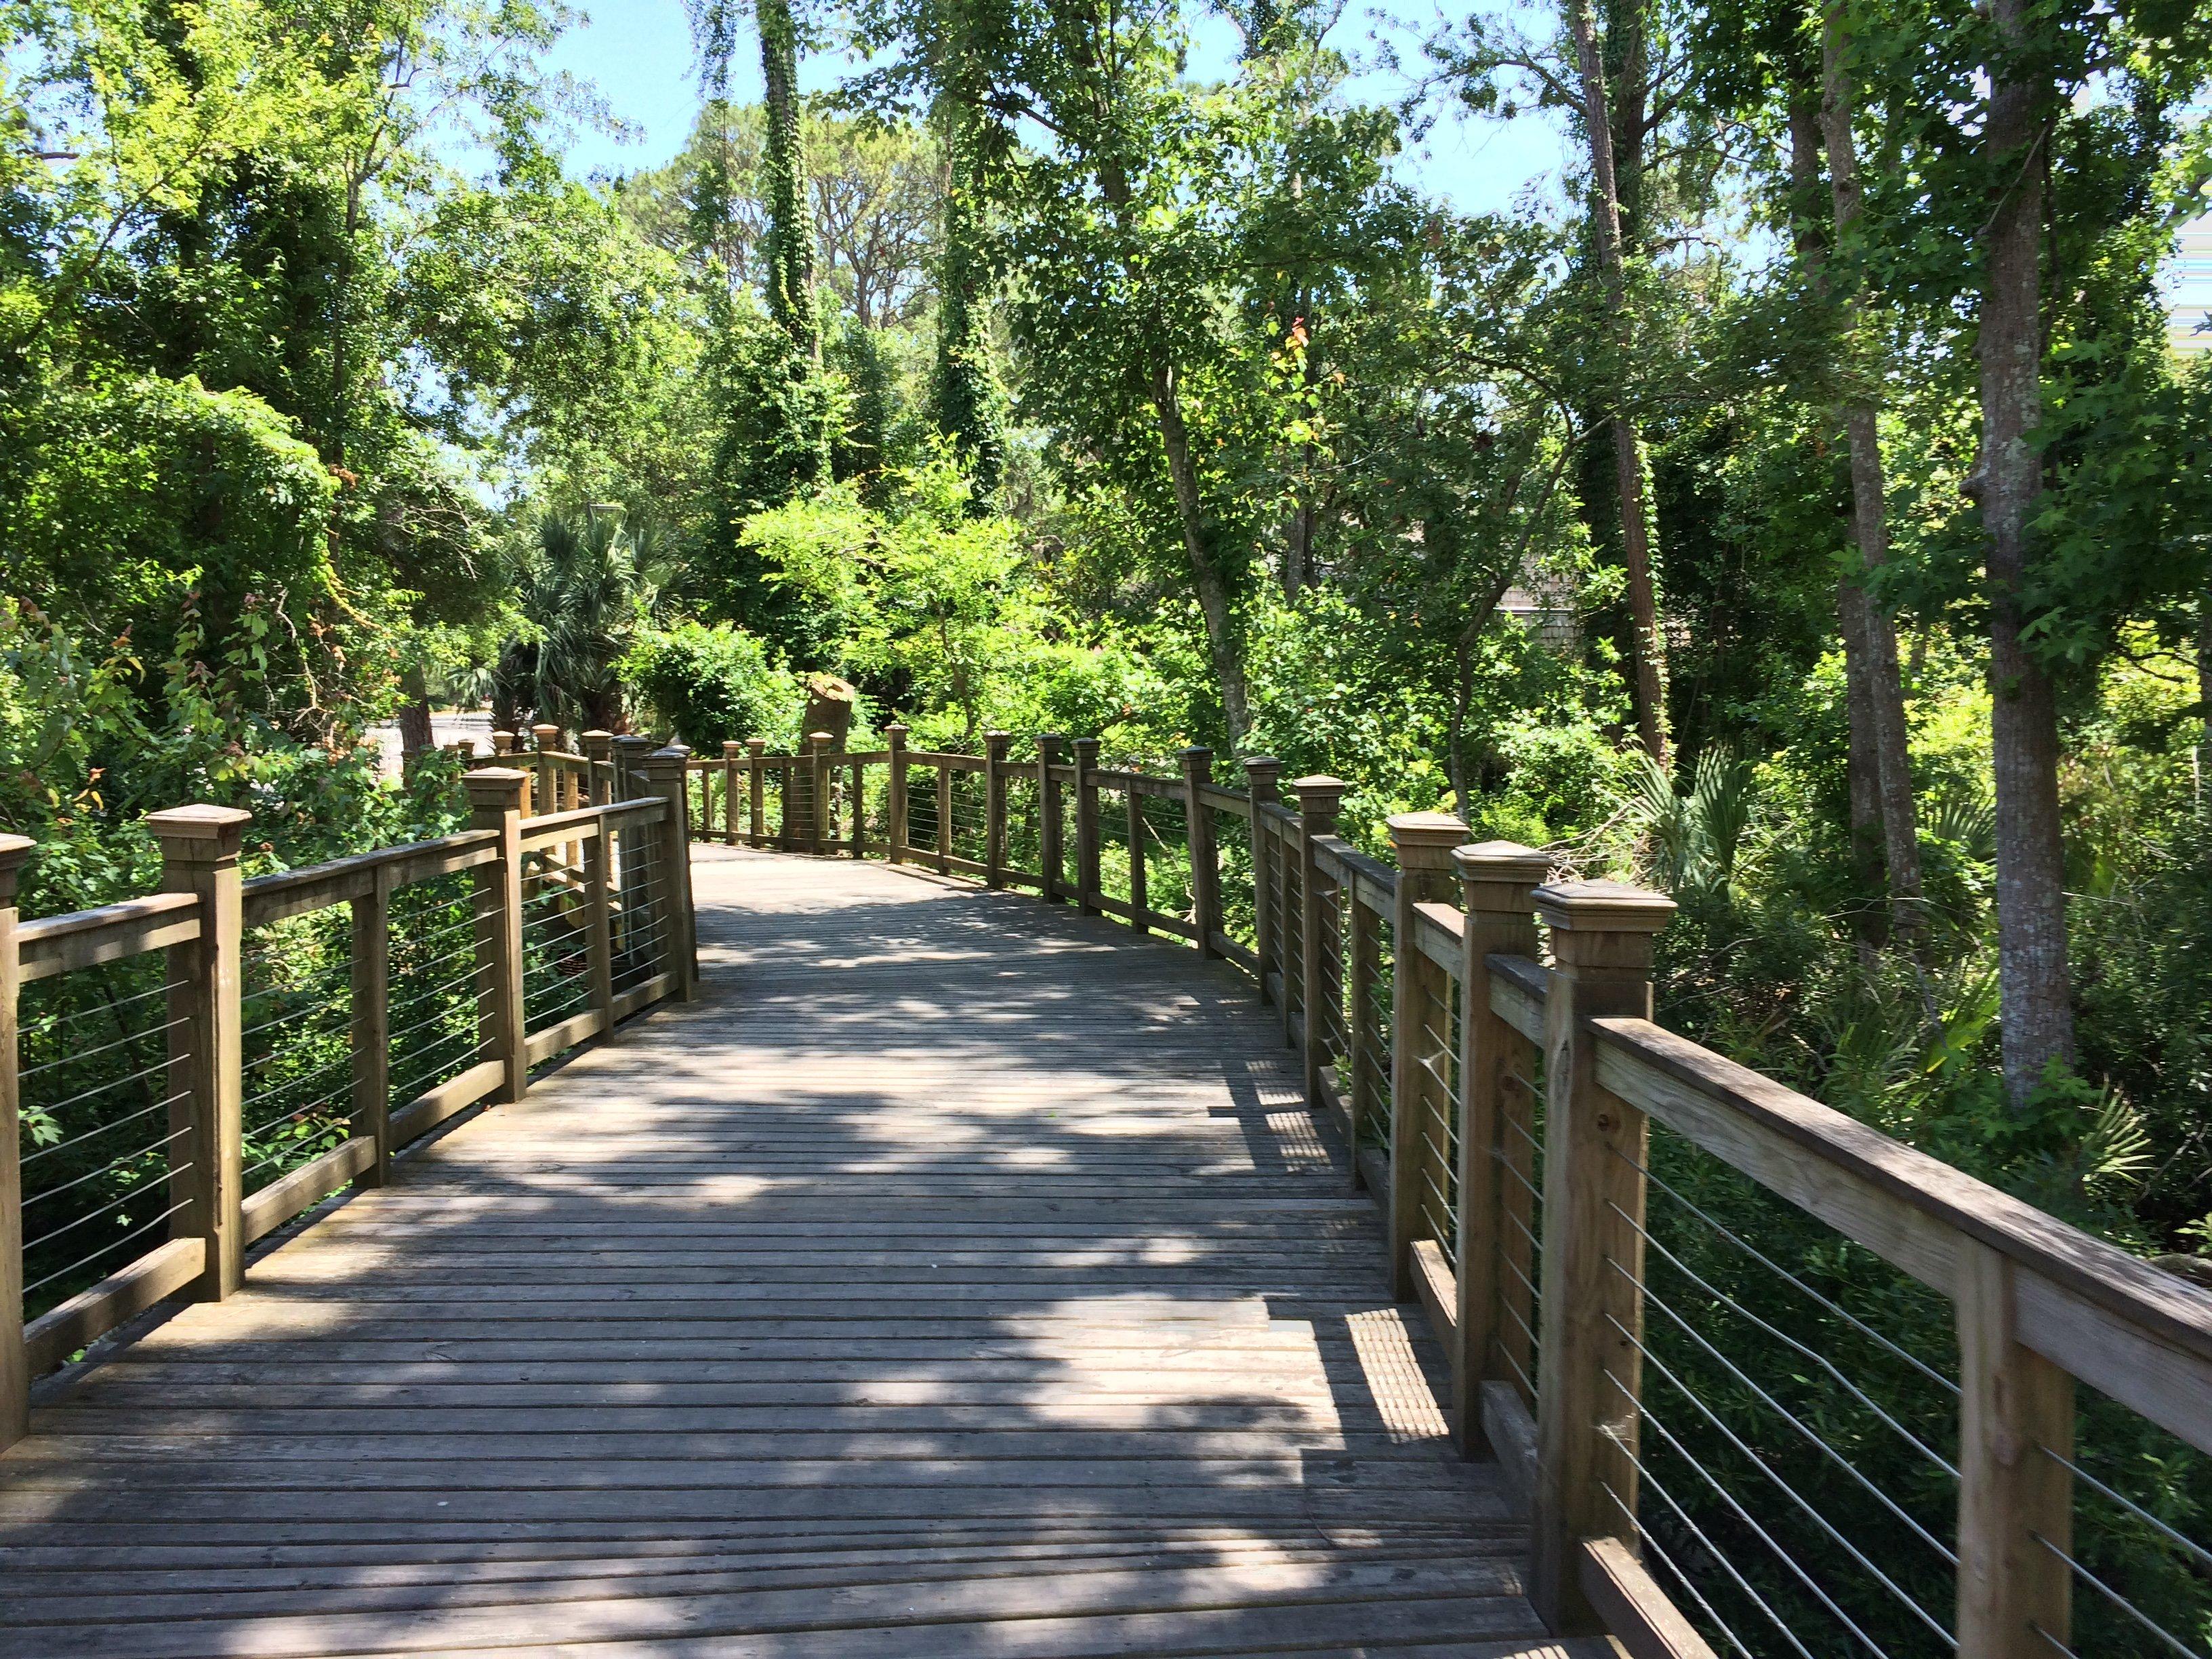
(1589,906)
(181,829)
(1427,829)
(1502,860)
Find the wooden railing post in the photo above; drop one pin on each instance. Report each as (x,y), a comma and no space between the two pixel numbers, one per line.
(1422,843)
(995,745)
(682,750)
(199,855)
(754,747)
(1322,992)
(944,820)
(1367,1098)
(859,807)
(600,922)
(599,755)
(821,830)
(497,798)
(372,1023)
(502,743)
(630,749)
(1497,880)
(1048,838)
(2015,1503)
(14,1363)
(1590,1376)
(1205,867)
(895,804)
(733,757)
(1140,903)
(631,869)
(1087,881)
(1264,774)
(547,791)
(665,771)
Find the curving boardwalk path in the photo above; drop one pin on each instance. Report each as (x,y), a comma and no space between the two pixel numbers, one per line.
(960,1277)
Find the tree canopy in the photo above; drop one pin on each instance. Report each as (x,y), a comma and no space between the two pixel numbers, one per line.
(1800,502)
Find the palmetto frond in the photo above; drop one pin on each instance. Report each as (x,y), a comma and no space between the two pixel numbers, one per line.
(587,586)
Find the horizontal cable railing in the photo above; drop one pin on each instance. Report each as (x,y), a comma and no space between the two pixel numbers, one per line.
(1769,1382)
(183,1073)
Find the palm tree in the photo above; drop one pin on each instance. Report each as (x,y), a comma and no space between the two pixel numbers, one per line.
(587,588)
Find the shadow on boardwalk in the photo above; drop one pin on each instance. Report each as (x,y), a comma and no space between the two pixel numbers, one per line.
(961,1276)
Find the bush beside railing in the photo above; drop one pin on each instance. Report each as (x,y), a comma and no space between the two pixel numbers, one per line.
(1701,1467)
(182,1074)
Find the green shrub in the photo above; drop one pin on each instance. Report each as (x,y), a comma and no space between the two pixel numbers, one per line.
(711,685)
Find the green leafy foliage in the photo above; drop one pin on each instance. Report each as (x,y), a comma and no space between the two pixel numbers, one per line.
(712,685)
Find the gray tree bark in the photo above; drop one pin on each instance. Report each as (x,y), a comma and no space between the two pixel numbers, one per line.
(2034,991)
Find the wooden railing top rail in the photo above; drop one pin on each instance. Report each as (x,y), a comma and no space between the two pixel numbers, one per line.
(1341,861)
(2096,1308)
(286,893)
(1237,802)
(87,938)
(1436,934)
(580,823)
(1159,785)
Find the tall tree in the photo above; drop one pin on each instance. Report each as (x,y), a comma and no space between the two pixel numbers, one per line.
(1883,689)
(2037,1008)
(1649,647)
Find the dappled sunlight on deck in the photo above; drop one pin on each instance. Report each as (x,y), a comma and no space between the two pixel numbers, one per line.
(957,1278)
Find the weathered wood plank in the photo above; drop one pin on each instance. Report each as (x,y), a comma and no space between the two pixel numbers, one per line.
(983,1285)
(86,939)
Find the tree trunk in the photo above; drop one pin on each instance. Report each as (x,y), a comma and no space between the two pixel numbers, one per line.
(1861,763)
(2204,696)
(415,734)
(1649,655)
(790,236)
(1900,831)
(1222,643)
(962,392)
(2035,1006)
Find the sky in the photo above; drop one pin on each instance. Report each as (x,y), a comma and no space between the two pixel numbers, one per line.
(638,53)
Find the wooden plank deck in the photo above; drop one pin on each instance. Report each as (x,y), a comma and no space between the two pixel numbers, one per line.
(961,1276)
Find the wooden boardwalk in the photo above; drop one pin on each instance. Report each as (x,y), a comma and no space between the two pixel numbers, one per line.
(961,1276)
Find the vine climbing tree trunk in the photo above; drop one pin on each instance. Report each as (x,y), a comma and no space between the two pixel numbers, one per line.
(1649,654)
(964,391)
(790,275)
(2035,1000)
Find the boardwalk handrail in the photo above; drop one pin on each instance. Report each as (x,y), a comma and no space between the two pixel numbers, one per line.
(1463,1023)
(575,917)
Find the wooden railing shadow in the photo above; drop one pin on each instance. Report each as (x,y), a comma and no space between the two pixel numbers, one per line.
(1275,1541)
(1486,1043)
